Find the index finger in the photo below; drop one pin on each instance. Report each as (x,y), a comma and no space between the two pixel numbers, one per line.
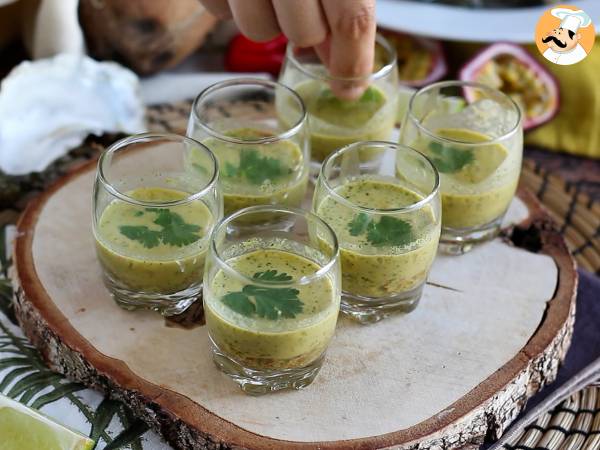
(352,44)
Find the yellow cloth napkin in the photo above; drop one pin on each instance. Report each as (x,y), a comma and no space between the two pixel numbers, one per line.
(576,127)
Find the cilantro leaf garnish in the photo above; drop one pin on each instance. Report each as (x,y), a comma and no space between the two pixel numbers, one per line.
(174,230)
(388,231)
(271,275)
(358,225)
(149,238)
(449,159)
(266,302)
(255,168)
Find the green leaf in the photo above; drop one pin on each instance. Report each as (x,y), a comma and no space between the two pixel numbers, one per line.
(389,231)
(240,303)
(174,230)
(104,414)
(40,380)
(14,362)
(12,375)
(358,225)
(229,170)
(273,303)
(272,275)
(58,393)
(141,233)
(129,435)
(255,168)
(449,159)
(266,302)
(38,387)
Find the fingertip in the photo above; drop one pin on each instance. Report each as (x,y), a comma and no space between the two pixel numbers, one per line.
(347,91)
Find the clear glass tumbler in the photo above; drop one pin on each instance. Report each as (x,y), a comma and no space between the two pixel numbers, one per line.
(271,297)
(261,159)
(386,215)
(153,213)
(474,136)
(335,122)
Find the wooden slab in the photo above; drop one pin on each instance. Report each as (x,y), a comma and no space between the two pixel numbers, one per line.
(491,329)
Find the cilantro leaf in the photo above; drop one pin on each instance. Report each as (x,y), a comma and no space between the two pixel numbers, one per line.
(149,238)
(240,303)
(174,230)
(388,231)
(229,170)
(255,168)
(271,275)
(449,159)
(358,225)
(266,302)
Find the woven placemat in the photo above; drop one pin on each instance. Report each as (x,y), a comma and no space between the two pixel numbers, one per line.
(573,425)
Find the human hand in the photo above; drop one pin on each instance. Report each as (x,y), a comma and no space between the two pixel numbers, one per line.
(341,32)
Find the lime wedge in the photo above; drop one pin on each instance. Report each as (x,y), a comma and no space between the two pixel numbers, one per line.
(22,428)
(486,158)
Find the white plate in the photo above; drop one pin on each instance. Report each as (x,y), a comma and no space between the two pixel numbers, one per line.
(458,23)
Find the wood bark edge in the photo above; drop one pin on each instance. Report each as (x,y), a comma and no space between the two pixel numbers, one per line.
(485,411)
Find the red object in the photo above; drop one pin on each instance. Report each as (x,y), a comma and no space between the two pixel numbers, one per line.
(244,55)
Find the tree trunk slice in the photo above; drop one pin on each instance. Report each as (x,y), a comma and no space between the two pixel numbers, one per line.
(492,328)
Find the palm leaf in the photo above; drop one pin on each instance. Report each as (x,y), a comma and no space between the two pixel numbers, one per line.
(6,295)
(128,435)
(104,414)
(12,375)
(59,392)
(39,380)
(16,361)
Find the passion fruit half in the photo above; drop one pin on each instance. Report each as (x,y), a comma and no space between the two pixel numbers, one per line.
(513,70)
(421,61)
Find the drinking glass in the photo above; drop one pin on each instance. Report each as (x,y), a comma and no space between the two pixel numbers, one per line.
(474,136)
(153,213)
(386,215)
(271,297)
(262,160)
(335,122)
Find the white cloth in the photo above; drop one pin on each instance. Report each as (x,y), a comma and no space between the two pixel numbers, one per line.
(566,58)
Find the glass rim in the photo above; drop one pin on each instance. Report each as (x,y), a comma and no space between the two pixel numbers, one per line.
(384,71)
(224,265)
(463,84)
(386,211)
(150,137)
(249,81)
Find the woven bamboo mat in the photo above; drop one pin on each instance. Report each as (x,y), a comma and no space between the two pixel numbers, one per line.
(573,425)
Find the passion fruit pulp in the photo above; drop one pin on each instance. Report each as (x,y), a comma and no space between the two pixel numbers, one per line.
(511,69)
(420,60)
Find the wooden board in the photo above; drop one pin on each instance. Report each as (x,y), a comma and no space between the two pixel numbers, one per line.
(491,329)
